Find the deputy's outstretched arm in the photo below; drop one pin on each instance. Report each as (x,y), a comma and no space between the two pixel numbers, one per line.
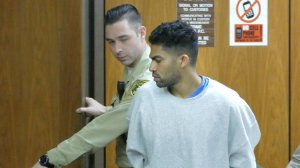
(96,134)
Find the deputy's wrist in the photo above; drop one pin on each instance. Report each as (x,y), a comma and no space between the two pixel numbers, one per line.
(44,161)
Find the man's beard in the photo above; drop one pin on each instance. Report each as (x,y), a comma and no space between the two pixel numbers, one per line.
(170,82)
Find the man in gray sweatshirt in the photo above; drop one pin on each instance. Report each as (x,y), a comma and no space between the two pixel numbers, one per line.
(186,120)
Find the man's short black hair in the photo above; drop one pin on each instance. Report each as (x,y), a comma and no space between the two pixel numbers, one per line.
(178,37)
(124,11)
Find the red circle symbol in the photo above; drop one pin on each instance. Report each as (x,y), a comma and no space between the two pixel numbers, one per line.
(248,12)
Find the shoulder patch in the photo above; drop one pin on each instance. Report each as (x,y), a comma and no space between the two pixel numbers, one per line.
(136,85)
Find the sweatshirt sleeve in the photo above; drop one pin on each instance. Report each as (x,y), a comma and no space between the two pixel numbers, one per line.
(135,148)
(96,134)
(244,134)
(295,161)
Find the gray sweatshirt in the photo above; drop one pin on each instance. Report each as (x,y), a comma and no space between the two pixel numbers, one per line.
(215,129)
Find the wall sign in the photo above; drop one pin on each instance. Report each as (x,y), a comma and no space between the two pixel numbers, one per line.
(200,15)
(248,23)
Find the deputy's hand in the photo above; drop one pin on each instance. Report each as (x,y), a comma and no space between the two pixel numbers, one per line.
(94,108)
(37,165)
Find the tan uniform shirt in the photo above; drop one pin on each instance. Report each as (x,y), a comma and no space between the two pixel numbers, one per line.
(107,127)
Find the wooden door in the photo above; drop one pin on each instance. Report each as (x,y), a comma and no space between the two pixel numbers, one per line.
(40,77)
(259,74)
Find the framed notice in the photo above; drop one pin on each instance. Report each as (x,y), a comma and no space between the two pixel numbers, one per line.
(248,23)
(200,15)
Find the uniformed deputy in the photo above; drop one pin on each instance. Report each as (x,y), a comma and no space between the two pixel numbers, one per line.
(126,37)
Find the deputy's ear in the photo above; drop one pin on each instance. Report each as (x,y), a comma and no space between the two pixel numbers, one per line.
(142,31)
(183,60)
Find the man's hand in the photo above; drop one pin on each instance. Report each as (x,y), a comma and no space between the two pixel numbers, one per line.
(37,165)
(94,108)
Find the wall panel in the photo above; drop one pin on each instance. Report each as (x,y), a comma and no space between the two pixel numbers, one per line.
(40,77)
(295,75)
